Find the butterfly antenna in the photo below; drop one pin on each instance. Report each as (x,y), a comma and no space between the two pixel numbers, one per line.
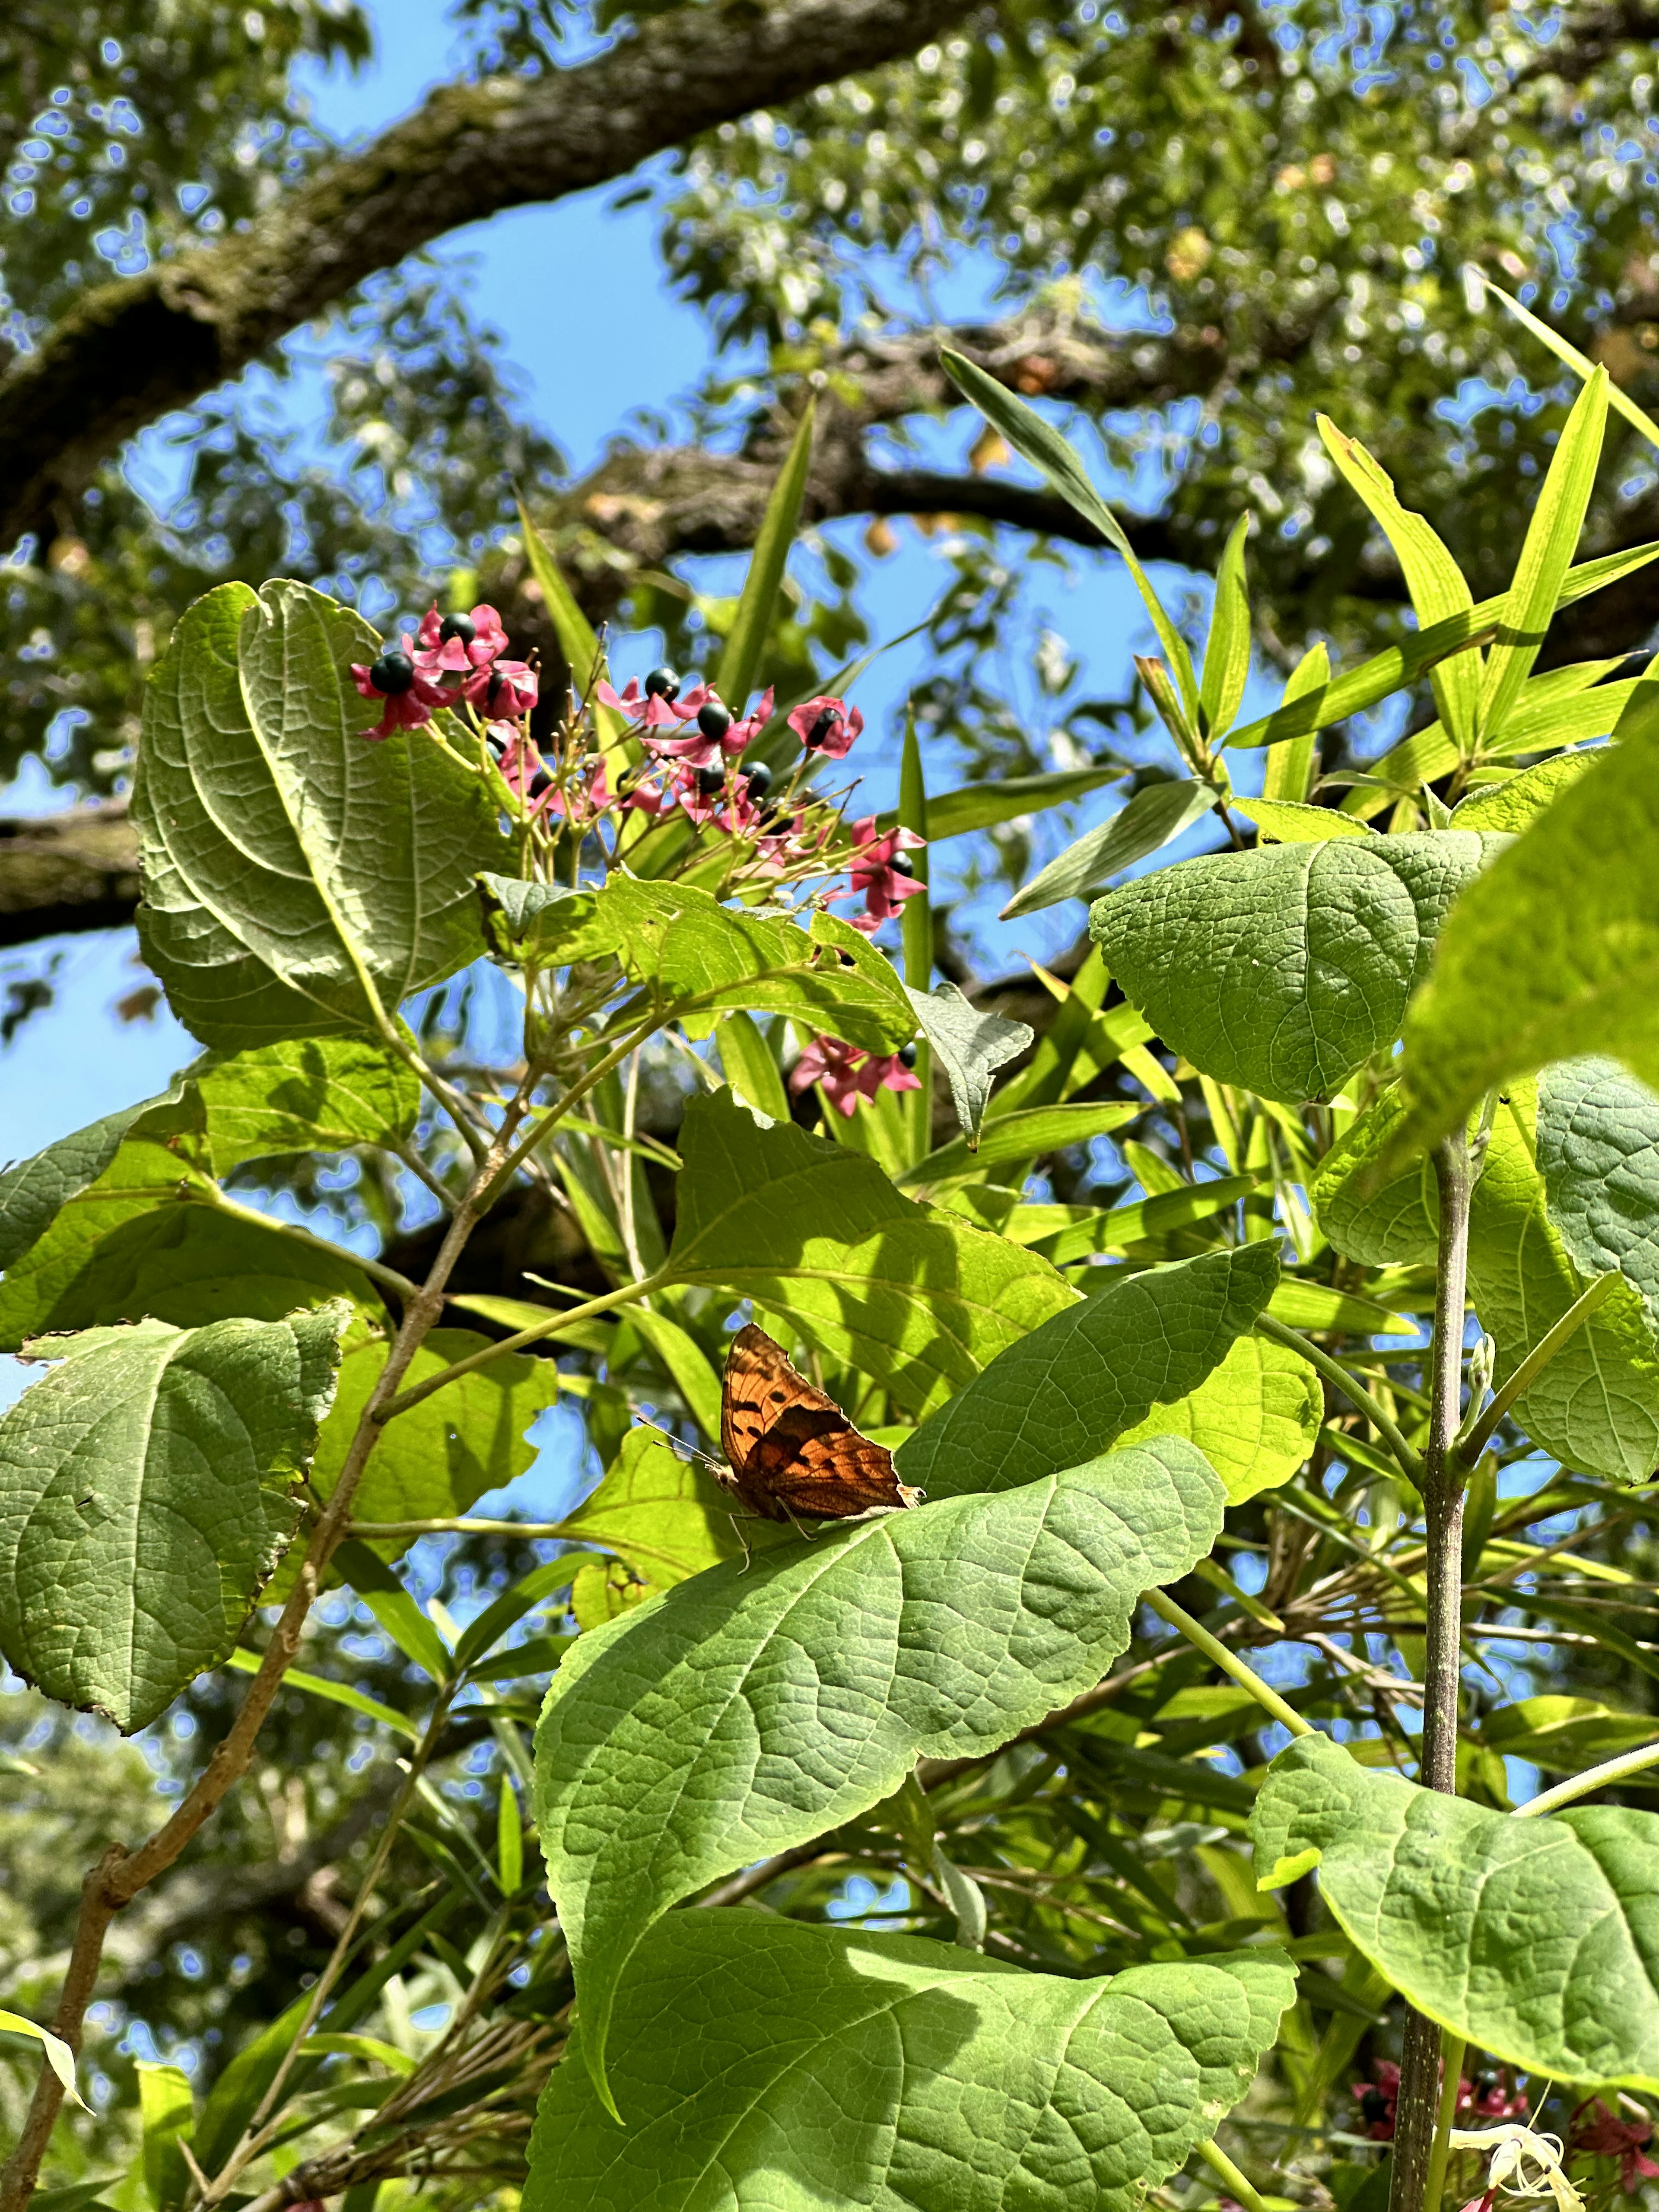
(680,1444)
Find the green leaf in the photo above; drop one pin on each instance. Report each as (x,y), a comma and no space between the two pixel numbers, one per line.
(1516,803)
(145,1240)
(689,950)
(1288,769)
(310,1094)
(1545,554)
(167,2110)
(395,1611)
(1024,1135)
(143,1500)
(1595,1406)
(1432,577)
(734,679)
(1288,822)
(1598,1151)
(1227,651)
(1565,1734)
(815,1234)
(1145,1219)
(1153,818)
(440,1458)
(687,1739)
(982,805)
(1399,664)
(1284,970)
(333,1693)
(35,1191)
(1050,454)
(1301,1304)
(762,2064)
(667,1516)
(1255,1417)
(1555,953)
(59,2056)
(971,1046)
(298,880)
(1067,1390)
(687,1365)
(578,641)
(1380,1224)
(750,1068)
(1531,1939)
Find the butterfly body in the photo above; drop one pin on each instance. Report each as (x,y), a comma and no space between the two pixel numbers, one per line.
(792,1450)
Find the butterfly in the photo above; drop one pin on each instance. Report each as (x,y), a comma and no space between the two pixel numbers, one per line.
(792,1449)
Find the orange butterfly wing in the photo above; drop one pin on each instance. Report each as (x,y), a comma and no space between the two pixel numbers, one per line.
(792,1449)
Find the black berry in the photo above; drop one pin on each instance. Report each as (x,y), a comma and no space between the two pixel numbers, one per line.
(907,1055)
(822,730)
(1375,2105)
(662,683)
(392,673)
(540,782)
(901,865)
(460,626)
(710,779)
(773,819)
(760,779)
(714,720)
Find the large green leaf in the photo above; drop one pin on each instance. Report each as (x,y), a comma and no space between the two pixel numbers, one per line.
(814,1233)
(298,880)
(1150,820)
(306,1095)
(146,1239)
(764,2067)
(1067,1390)
(1555,953)
(1255,1417)
(143,1500)
(1534,1939)
(689,950)
(1598,1151)
(1285,969)
(753,1708)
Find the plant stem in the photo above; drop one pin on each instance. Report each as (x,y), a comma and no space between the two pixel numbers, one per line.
(1240,2190)
(1355,1392)
(1593,1777)
(1229,1662)
(1442,1486)
(374,1269)
(1452,2049)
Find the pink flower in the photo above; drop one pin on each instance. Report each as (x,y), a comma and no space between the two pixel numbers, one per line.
(396,678)
(1605,2136)
(519,763)
(506,687)
(885,886)
(706,748)
(468,663)
(1490,2098)
(639,707)
(1378,2101)
(826,726)
(582,803)
(475,640)
(848,1073)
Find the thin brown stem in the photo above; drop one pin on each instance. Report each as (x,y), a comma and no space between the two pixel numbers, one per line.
(1443,1505)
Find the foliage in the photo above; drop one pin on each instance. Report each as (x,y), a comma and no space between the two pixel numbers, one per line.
(995,1762)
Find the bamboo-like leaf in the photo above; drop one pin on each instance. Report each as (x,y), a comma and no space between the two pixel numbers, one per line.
(1153,818)
(740,660)
(1227,650)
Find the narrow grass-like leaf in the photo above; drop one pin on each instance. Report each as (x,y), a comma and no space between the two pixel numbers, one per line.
(1023,1134)
(333,1693)
(745,641)
(981,805)
(1227,650)
(762,2065)
(680,1740)
(1150,820)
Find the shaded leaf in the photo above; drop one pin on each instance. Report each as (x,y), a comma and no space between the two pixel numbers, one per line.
(1153,818)
(34,1191)
(306,1095)
(143,1500)
(667,1516)
(1023,1134)
(971,1046)
(1255,1417)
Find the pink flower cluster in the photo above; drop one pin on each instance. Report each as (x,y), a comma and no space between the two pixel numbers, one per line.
(847,1073)
(710,743)
(451,658)
(1491,2098)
